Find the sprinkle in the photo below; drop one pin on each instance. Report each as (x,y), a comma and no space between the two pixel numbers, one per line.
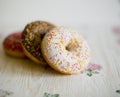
(68,51)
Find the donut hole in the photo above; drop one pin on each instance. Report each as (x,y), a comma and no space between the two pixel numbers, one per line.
(71,46)
(70,49)
(42,35)
(67,48)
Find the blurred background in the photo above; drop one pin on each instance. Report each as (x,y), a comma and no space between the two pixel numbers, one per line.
(15,14)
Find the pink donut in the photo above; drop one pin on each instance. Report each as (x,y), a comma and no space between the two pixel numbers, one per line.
(12,45)
(65,50)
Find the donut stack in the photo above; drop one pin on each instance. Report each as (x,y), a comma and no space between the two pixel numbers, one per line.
(61,48)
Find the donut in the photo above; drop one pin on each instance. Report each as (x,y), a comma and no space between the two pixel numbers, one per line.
(32,36)
(12,45)
(65,50)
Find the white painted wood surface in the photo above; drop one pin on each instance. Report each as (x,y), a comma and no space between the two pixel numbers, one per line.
(94,19)
(24,78)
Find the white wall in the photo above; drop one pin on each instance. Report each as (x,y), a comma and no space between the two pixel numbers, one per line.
(67,12)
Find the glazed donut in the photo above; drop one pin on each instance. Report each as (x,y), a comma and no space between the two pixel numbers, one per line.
(32,37)
(65,50)
(12,45)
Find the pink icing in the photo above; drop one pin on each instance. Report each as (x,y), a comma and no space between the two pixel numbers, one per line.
(13,42)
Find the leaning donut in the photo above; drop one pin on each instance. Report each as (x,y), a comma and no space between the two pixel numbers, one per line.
(65,50)
(32,37)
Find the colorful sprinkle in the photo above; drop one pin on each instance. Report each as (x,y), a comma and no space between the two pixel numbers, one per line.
(65,47)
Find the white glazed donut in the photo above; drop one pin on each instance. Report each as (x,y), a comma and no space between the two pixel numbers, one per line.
(65,50)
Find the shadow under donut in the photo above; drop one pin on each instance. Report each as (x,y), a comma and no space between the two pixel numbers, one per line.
(11,66)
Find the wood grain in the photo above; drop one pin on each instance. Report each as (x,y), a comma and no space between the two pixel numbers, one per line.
(27,79)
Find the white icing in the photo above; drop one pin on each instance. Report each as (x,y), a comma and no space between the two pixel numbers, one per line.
(54,48)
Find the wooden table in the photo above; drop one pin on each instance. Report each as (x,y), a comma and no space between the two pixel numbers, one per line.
(24,78)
